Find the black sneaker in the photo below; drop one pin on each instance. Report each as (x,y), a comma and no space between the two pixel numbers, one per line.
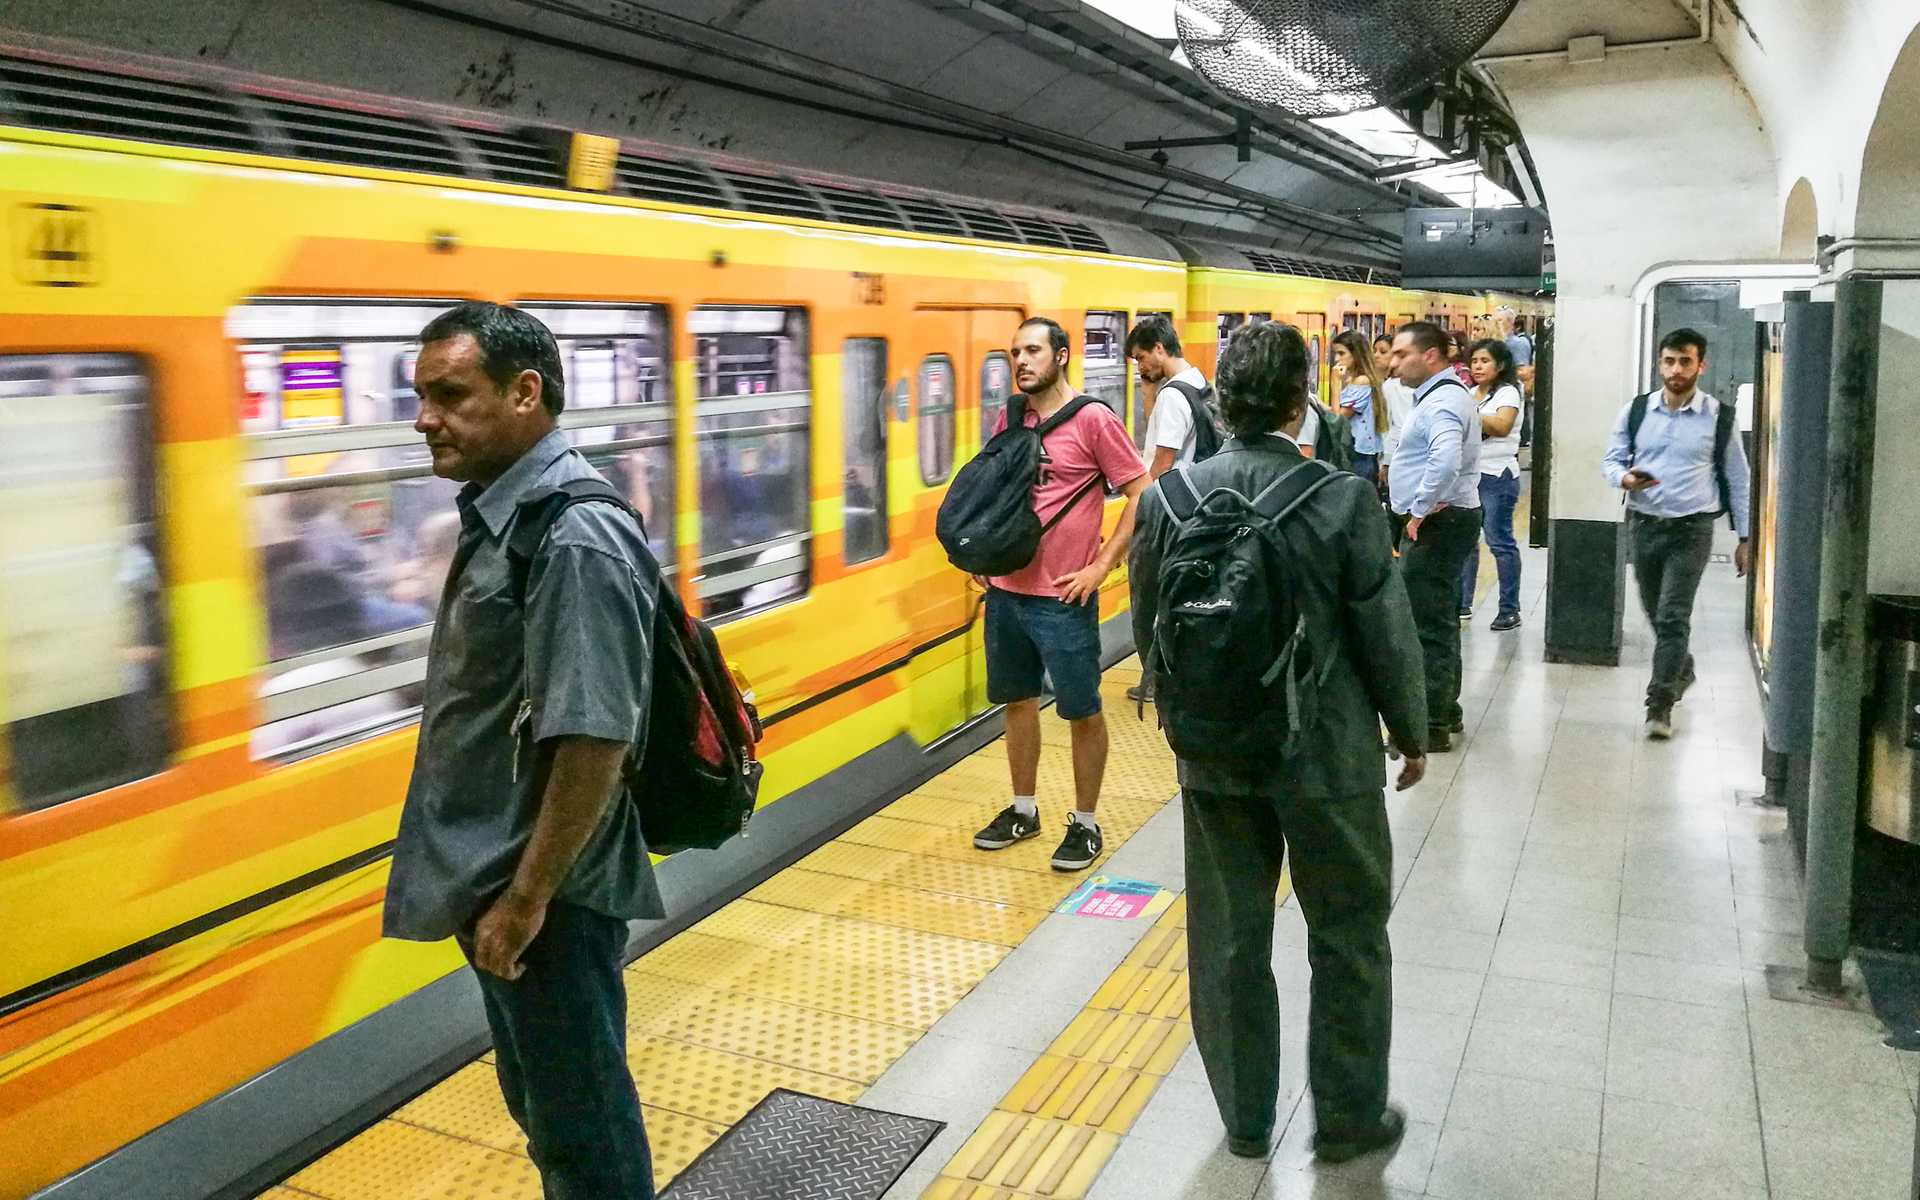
(1457,725)
(1079,848)
(1466,612)
(1439,740)
(1344,1143)
(1686,681)
(1659,724)
(1505,621)
(1009,827)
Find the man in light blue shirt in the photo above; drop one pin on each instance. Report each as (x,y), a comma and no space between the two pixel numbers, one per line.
(1676,485)
(1434,484)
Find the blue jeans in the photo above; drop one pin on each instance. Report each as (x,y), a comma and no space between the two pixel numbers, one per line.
(1367,467)
(1498,495)
(1031,635)
(560,1049)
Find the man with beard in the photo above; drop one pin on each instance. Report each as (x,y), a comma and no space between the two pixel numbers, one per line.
(1045,617)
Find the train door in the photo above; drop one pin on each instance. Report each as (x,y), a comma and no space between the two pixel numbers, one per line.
(957,378)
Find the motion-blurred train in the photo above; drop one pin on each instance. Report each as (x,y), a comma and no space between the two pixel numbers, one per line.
(221,542)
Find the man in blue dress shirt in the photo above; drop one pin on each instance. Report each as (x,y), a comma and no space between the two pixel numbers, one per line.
(1675,488)
(1434,485)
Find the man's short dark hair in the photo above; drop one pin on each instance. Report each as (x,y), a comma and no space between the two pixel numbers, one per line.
(1056,336)
(510,341)
(1682,338)
(1426,336)
(1263,378)
(1153,331)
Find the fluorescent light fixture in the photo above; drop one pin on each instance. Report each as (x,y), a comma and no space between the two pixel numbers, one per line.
(1381,133)
(1466,185)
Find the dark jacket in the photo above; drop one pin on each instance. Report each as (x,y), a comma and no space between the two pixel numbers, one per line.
(1360,607)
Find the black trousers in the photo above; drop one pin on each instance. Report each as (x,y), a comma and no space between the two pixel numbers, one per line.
(1669,556)
(560,1049)
(1342,867)
(1431,568)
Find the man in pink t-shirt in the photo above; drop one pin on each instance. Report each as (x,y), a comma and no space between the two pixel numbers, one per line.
(1046,616)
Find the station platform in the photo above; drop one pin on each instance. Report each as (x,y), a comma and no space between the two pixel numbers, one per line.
(1582,924)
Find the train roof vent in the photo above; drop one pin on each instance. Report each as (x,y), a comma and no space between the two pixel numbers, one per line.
(984,224)
(74,100)
(1036,232)
(362,139)
(669,181)
(1080,237)
(511,157)
(929,216)
(774,196)
(859,208)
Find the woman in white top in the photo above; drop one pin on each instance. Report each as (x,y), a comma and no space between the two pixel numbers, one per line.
(1497,388)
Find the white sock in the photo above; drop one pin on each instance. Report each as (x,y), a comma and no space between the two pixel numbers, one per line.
(1025,806)
(1086,818)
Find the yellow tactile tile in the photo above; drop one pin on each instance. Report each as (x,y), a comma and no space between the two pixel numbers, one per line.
(814,980)
(820,979)
(910,908)
(807,1038)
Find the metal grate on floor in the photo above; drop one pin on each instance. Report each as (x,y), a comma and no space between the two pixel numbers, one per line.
(799,1147)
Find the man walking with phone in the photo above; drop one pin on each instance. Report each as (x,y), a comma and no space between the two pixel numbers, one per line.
(1676,453)
(1044,619)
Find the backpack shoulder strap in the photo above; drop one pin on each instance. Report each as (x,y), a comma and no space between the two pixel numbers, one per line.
(1178,491)
(1723,423)
(1286,493)
(537,514)
(1064,415)
(1636,415)
(1016,410)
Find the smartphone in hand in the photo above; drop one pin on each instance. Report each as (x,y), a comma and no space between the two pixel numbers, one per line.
(1636,480)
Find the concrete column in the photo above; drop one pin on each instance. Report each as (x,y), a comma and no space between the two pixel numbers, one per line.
(1840,678)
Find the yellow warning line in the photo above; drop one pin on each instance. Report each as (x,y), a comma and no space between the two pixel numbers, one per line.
(818,980)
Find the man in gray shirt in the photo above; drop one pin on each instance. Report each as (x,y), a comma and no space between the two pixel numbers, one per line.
(1434,485)
(516,838)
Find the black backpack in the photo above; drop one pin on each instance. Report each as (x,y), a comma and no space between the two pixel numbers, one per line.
(986,523)
(1333,443)
(1209,431)
(697,781)
(1235,669)
(1722,434)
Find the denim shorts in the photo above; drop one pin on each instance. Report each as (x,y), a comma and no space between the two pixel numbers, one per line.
(1028,635)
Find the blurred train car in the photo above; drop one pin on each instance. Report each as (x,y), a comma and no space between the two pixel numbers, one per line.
(221,543)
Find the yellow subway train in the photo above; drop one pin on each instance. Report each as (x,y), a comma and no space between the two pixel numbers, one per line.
(220,541)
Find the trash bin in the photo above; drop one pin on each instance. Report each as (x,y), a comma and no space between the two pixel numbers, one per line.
(1893,754)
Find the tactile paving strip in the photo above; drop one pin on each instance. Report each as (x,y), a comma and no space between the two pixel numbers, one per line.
(817,981)
(1049,1138)
(799,1147)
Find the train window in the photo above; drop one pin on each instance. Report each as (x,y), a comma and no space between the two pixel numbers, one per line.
(1140,395)
(620,404)
(1313,366)
(936,419)
(1103,365)
(354,532)
(996,384)
(1256,318)
(83,666)
(1228,322)
(752,424)
(864,399)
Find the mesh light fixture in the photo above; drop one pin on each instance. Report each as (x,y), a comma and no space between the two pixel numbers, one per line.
(1321,58)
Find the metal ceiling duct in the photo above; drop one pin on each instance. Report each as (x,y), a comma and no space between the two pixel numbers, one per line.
(1320,58)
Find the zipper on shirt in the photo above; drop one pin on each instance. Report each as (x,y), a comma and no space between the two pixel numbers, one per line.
(513,731)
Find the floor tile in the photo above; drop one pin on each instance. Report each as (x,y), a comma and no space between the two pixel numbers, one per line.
(1672,979)
(1436,989)
(1595,929)
(1549,1007)
(1704,1083)
(1405,1166)
(1793,1095)
(1526,1110)
(1469,1165)
(1430,1037)
(1817,1164)
(1571,1060)
(1439,945)
(1681,940)
(1553,962)
(1535,888)
(1683,1140)
(1147,1170)
(1688,1028)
